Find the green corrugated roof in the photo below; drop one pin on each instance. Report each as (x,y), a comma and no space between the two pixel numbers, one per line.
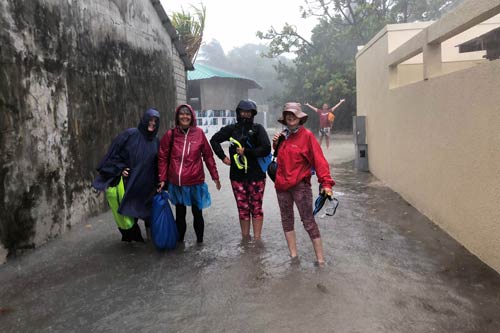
(203,72)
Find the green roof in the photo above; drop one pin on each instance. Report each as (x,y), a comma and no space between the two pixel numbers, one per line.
(204,72)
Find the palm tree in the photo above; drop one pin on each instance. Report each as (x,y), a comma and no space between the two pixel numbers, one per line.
(190,28)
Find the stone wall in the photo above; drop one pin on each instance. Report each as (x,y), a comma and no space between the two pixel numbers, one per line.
(73,74)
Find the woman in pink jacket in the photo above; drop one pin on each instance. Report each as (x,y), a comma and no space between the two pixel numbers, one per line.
(182,150)
(298,152)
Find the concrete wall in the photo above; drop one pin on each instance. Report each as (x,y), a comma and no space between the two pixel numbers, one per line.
(180,84)
(222,93)
(437,141)
(412,70)
(73,74)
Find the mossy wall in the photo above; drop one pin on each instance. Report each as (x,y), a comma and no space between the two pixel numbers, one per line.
(73,74)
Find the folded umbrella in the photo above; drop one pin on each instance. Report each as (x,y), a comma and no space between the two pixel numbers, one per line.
(320,202)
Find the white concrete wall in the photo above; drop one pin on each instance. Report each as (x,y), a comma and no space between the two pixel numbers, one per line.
(437,143)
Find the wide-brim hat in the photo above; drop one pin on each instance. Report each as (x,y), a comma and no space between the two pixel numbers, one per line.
(296,109)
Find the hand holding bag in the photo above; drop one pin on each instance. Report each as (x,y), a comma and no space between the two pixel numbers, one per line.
(163,228)
(114,196)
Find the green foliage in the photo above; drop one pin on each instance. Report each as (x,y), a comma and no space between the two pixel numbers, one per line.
(324,69)
(419,10)
(190,28)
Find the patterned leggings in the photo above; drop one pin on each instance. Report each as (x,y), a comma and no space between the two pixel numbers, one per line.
(301,194)
(249,195)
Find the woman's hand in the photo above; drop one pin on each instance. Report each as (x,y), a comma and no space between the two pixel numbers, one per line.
(276,137)
(240,151)
(217,184)
(327,191)
(160,186)
(125,172)
(226,161)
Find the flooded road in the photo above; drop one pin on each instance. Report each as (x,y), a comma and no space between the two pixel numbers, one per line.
(389,269)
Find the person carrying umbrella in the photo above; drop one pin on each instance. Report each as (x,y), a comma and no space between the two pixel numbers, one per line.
(298,153)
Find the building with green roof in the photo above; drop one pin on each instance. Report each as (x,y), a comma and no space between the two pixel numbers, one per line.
(211,88)
(214,94)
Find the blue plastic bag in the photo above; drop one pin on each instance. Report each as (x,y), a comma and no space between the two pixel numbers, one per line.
(163,228)
(265,161)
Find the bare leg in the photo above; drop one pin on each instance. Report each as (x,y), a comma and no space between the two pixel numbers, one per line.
(257,228)
(245,229)
(327,139)
(318,249)
(292,243)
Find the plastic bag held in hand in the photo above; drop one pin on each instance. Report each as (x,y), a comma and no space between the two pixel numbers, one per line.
(324,195)
(163,228)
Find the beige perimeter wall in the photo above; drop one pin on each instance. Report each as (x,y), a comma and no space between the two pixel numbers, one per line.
(437,143)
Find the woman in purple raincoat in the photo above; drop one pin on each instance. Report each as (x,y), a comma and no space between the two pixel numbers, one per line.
(133,156)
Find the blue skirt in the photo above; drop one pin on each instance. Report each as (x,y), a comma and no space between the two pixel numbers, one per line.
(191,195)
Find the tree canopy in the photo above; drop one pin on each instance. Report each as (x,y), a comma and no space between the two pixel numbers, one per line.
(323,70)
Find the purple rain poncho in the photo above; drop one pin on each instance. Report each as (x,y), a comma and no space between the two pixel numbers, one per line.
(137,149)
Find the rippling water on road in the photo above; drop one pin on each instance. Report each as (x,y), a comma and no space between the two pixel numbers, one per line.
(389,269)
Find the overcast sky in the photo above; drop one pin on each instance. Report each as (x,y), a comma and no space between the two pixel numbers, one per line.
(234,22)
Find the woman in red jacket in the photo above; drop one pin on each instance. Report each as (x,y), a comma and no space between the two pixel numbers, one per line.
(297,154)
(182,150)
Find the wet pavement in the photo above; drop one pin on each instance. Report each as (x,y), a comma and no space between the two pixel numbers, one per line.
(389,269)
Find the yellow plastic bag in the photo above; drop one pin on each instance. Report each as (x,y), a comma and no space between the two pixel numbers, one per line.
(114,195)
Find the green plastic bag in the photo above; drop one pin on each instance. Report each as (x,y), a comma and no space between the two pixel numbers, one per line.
(114,195)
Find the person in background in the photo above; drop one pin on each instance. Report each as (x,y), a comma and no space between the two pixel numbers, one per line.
(298,153)
(180,163)
(133,156)
(326,119)
(248,180)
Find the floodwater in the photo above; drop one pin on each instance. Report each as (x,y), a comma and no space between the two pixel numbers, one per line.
(389,269)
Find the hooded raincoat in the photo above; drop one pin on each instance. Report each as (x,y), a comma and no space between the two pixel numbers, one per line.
(181,162)
(136,149)
(252,136)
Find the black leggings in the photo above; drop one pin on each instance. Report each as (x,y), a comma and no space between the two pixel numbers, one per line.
(198,222)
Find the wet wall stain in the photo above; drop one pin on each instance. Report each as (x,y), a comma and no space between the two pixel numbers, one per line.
(91,92)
